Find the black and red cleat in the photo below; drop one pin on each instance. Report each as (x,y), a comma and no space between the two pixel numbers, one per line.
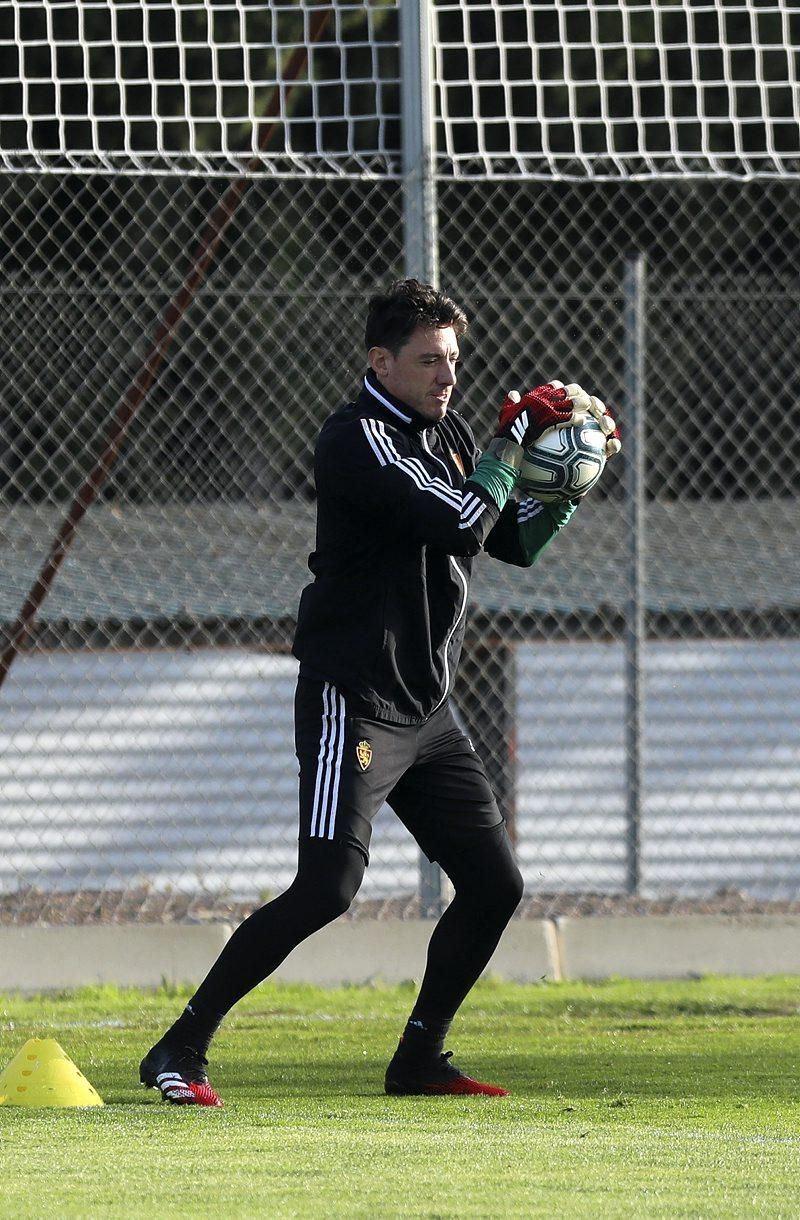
(434,1078)
(179,1075)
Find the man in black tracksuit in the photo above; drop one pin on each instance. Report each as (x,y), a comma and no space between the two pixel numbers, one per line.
(405,500)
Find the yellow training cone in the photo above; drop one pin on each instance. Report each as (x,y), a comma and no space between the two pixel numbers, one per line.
(41,1074)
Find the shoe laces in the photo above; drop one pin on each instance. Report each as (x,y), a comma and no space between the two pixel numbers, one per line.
(190,1062)
(449,1068)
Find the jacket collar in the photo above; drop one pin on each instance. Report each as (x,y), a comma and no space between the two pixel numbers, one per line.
(376,394)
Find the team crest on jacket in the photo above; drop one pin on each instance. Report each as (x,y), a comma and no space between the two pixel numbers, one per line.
(364,754)
(457,459)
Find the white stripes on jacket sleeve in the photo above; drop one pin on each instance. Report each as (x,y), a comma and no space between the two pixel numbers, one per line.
(527,509)
(329,764)
(469,505)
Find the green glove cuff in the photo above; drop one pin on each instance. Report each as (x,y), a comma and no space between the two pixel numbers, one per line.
(561,511)
(496,477)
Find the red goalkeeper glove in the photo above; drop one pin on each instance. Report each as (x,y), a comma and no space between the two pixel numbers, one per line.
(524,419)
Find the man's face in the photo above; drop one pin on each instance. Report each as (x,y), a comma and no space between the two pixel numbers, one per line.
(423,372)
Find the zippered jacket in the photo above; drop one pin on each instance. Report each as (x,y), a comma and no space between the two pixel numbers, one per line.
(398,523)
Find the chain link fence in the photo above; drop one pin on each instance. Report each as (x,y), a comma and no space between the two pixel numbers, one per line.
(147,767)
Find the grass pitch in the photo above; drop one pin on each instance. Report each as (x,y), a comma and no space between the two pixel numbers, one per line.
(629,1099)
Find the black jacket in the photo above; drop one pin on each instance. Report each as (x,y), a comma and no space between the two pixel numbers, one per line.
(397,530)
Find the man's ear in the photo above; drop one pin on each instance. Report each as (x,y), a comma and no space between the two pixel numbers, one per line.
(379,359)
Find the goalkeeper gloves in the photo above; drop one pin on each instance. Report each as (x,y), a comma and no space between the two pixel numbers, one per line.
(525,419)
(521,421)
(588,404)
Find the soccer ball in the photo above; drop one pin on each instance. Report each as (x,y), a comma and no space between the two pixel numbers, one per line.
(564,463)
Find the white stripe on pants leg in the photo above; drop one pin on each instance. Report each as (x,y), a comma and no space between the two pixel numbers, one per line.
(337,774)
(328,760)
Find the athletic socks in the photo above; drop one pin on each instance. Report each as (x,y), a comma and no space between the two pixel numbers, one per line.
(423,1036)
(194,1028)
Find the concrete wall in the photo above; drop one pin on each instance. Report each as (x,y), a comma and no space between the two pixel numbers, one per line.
(364,951)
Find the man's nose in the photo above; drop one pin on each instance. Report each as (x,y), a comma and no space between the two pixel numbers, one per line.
(447,375)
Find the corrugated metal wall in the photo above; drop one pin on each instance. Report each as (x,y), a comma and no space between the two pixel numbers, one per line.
(165,768)
(177,770)
(721,804)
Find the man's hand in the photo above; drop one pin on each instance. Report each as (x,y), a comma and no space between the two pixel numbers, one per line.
(524,419)
(589,404)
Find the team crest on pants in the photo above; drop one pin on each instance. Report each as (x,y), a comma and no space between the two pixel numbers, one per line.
(364,754)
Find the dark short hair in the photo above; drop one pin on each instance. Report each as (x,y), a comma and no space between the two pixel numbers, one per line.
(395,314)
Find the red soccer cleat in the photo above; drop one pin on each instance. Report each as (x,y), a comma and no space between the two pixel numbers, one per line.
(179,1075)
(434,1078)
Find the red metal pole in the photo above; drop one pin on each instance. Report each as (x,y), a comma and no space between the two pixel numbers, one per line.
(132,399)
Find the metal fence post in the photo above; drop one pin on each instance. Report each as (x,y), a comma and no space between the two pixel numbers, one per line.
(420,227)
(633,416)
(420,234)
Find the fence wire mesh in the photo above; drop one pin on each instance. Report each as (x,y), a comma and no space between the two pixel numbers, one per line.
(147,761)
(147,767)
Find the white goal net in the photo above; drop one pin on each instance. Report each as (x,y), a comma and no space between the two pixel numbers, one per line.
(183,85)
(587,88)
(619,88)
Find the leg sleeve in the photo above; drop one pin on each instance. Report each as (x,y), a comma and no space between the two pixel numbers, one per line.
(328,878)
(488,888)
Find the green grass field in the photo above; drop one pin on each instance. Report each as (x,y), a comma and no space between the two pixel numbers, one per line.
(629,1099)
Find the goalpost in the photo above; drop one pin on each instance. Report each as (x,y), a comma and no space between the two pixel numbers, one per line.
(550,140)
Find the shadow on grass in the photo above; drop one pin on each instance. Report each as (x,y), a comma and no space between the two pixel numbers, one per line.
(703,1073)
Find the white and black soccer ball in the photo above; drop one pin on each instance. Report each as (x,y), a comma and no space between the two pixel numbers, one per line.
(564,463)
